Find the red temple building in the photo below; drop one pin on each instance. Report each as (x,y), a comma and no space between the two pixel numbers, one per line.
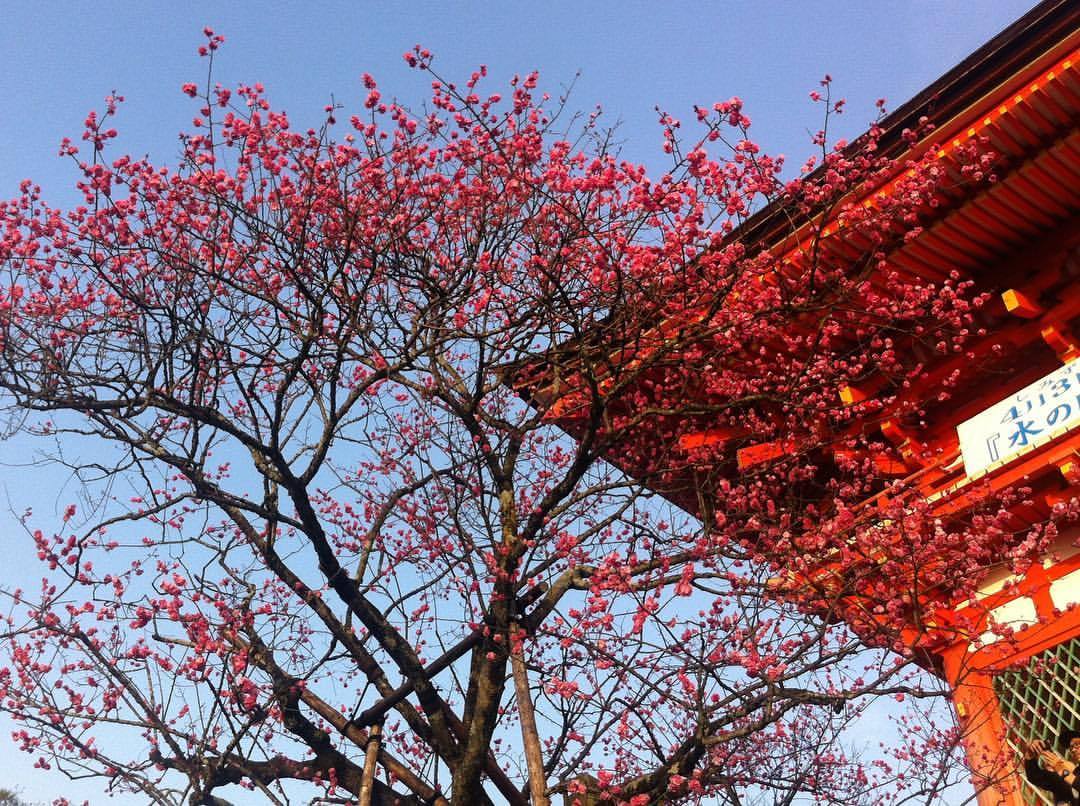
(1013,418)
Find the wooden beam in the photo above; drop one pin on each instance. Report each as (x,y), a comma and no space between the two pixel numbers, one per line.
(765,452)
(1020,304)
(883,463)
(863,389)
(709,437)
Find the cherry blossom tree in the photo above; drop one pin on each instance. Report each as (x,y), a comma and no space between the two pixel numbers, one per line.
(386,432)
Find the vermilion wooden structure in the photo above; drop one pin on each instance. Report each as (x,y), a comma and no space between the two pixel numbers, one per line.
(1019,241)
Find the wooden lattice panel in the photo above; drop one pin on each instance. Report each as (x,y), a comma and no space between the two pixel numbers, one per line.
(1039,701)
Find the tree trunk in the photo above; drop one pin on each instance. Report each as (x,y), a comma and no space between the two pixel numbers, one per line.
(590,797)
(530,736)
(371,757)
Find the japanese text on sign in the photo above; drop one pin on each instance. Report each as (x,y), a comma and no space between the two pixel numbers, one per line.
(1033,416)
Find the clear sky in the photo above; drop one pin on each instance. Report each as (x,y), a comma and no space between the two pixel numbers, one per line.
(61,58)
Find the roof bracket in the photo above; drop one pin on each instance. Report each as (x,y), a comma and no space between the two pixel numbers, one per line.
(1061,341)
(1070,468)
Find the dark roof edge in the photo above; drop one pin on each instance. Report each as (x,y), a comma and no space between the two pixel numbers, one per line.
(1048,24)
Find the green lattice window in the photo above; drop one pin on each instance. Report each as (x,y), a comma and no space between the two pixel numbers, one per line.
(1040,701)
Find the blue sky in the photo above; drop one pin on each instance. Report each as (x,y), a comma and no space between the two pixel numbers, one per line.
(61,59)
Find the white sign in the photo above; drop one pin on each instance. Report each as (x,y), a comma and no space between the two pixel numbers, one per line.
(1032,417)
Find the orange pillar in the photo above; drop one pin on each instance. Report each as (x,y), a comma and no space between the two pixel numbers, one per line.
(993,765)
